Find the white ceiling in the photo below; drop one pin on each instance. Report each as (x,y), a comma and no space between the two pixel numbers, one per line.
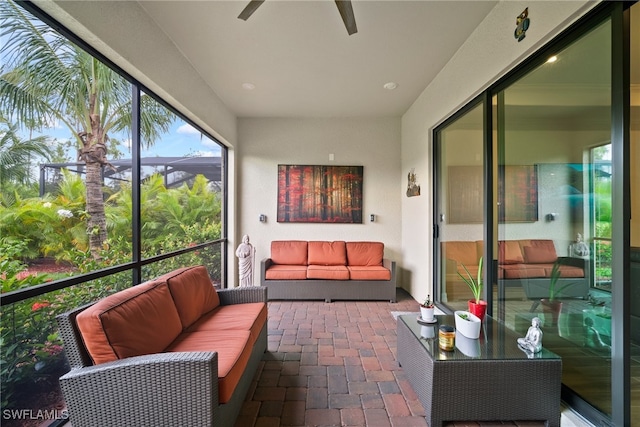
(302,61)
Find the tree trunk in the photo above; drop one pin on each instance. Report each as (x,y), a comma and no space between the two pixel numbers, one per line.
(94,154)
(97,223)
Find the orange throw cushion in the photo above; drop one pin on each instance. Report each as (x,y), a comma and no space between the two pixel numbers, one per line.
(327,253)
(365,253)
(136,321)
(291,252)
(328,272)
(233,350)
(369,273)
(286,272)
(192,291)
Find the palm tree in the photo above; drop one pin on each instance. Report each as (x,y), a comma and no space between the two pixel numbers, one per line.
(48,80)
(16,153)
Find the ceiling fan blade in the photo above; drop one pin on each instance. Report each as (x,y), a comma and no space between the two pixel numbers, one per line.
(249,9)
(346,11)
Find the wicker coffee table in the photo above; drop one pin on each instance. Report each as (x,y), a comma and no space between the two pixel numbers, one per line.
(488,379)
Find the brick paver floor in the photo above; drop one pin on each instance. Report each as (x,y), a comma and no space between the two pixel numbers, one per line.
(334,364)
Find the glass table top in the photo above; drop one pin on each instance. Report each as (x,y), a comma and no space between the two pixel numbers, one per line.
(496,341)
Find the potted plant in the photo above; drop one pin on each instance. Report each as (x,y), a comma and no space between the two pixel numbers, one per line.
(427,309)
(467,324)
(477,306)
(552,305)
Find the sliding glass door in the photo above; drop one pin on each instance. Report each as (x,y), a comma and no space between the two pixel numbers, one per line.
(554,209)
(540,175)
(460,203)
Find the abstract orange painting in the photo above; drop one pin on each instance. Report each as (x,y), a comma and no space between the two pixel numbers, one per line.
(323,194)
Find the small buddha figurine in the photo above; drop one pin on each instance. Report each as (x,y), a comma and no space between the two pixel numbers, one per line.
(532,342)
(580,248)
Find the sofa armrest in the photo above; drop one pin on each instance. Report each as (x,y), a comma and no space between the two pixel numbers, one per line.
(574,262)
(391,265)
(178,388)
(242,295)
(264,265)
(74,348)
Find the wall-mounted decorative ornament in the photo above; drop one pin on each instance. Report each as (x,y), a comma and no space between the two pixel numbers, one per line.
(413,188)
(522,25)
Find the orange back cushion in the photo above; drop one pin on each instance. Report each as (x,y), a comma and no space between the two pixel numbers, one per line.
(365,253)
(291,252)
(463,252)
(327,253)
(509,252)
(192,292)
(540,251)
(136,321)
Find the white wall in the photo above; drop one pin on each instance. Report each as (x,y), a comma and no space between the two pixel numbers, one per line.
(371,143)
(488,54)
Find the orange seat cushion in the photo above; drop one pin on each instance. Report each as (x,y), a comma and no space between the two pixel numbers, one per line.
(369,273)
(136,321)
(523,271)
(193,293)
(233,350)
(328,272)
(327,253)
(242,317)
(286,272)
(291,252)
(365,253)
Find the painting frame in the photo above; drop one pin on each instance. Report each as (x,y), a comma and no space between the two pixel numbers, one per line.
(326,194)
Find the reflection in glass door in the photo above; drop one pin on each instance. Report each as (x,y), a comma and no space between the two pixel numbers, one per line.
(460,203)
(551,126)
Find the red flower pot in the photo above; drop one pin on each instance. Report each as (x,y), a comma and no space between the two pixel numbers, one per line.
(478,308)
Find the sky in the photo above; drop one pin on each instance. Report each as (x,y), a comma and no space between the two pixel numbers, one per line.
(181,140)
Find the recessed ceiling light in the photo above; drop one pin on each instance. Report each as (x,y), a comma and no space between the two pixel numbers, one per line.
(248,86)
(552,59)
(390,85)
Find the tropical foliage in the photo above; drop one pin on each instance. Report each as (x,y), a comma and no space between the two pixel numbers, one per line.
(53,226)
(16,154)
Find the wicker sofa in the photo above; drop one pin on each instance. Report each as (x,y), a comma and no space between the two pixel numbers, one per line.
(339,270)
(524,263)
(170,351)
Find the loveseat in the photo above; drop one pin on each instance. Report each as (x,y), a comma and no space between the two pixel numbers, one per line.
(338,270)
(523,263)
(170,351)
